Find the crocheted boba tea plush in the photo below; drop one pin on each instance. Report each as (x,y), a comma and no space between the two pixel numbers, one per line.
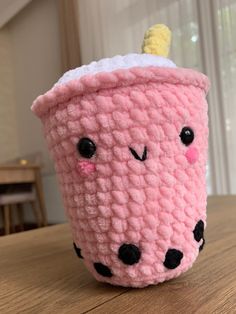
(128,135)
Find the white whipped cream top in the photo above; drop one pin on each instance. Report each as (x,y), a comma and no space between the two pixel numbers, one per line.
(118,62)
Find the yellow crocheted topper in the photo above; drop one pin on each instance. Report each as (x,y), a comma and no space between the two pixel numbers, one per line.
(157,40)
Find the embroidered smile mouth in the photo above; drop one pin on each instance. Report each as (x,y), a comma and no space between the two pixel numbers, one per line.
(136,155)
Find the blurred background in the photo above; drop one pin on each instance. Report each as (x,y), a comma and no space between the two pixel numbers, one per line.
(41,39)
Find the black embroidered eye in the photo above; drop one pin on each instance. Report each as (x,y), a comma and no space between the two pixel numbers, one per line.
(86,147)
(187,136)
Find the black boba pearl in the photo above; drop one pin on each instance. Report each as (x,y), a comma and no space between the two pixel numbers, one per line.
(173,258)
(86,147)
(102,270)
(198,231)
(187,136)
(129,254)
(77,251)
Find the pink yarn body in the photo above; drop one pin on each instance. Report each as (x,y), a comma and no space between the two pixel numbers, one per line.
(113,198)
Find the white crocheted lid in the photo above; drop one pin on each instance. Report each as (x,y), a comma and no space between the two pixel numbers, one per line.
(118,62)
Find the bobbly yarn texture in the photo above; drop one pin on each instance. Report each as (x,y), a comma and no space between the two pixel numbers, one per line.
(128,136)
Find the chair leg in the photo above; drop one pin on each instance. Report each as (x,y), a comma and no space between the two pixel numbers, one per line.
(7,221)
(37,213)
(20,214)
(39,192)
(13,229)
(2,219)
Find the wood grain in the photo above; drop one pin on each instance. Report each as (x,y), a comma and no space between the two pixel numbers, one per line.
(16,175)
(39,273)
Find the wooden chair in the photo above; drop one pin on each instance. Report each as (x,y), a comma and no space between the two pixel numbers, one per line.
(18,200)
(20,184)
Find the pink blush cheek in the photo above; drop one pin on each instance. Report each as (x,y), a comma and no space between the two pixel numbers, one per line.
(85,168)
(192,155)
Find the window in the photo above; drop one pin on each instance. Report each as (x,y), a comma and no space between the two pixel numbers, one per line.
(204,35)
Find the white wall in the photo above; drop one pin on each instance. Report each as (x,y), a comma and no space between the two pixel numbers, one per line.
(9,8)
(53,199)
(35,60)
(8,133)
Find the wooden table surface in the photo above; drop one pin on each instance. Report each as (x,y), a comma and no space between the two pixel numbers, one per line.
(39,273)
